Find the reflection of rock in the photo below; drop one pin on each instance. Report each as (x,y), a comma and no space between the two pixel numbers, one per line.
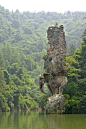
(56,104)
(51,121)
(55,121)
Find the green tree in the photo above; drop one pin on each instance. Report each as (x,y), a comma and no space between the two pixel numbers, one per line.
(71,50)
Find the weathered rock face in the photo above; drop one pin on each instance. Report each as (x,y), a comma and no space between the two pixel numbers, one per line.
(56,104)
(56,55)
(55,65)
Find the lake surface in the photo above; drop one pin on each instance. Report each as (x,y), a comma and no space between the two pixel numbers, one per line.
(39,120)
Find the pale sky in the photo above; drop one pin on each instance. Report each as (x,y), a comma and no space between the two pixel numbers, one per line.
(44,5)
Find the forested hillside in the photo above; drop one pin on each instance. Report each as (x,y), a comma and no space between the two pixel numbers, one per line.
(76,88)
(23,41)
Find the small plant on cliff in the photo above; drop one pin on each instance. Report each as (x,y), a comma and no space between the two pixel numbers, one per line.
(56,24)
(45,56)
(67,96)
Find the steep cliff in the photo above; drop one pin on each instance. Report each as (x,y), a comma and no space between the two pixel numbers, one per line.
(56,54)
(55,69)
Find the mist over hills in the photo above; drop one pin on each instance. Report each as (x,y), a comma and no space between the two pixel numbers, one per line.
(23,41)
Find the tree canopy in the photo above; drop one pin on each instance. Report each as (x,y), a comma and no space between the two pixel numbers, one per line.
(23,42)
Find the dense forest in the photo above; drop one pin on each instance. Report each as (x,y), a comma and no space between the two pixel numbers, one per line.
(23,42)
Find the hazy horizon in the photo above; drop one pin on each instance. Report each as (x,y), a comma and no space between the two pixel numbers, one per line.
(46,6)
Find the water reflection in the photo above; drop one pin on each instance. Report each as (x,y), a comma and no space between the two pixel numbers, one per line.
(66,121)
(39,120)
(54,121)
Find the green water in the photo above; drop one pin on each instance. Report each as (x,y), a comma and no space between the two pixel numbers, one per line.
(36,120)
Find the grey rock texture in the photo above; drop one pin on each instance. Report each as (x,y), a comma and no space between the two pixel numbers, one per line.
(56,54)
(56,104)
